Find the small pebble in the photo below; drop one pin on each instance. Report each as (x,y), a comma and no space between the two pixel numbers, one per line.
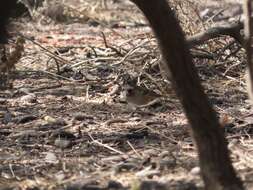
(195,171)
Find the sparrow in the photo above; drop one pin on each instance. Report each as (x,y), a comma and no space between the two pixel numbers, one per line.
(140,96)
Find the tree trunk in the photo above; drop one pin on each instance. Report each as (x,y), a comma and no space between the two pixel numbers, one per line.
(216,166)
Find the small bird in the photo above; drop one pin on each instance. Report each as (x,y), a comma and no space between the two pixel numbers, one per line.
(140,96)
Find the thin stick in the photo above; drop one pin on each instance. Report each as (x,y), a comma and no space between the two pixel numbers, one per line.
(134,149)
(106,146)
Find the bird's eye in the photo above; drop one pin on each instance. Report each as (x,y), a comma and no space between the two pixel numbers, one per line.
(130,91)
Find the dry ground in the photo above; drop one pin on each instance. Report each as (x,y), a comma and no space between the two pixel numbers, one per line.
(64,125)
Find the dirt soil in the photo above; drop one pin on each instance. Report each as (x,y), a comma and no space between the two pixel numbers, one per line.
(65,125)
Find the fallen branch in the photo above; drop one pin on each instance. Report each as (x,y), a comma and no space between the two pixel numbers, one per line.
(232,30)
